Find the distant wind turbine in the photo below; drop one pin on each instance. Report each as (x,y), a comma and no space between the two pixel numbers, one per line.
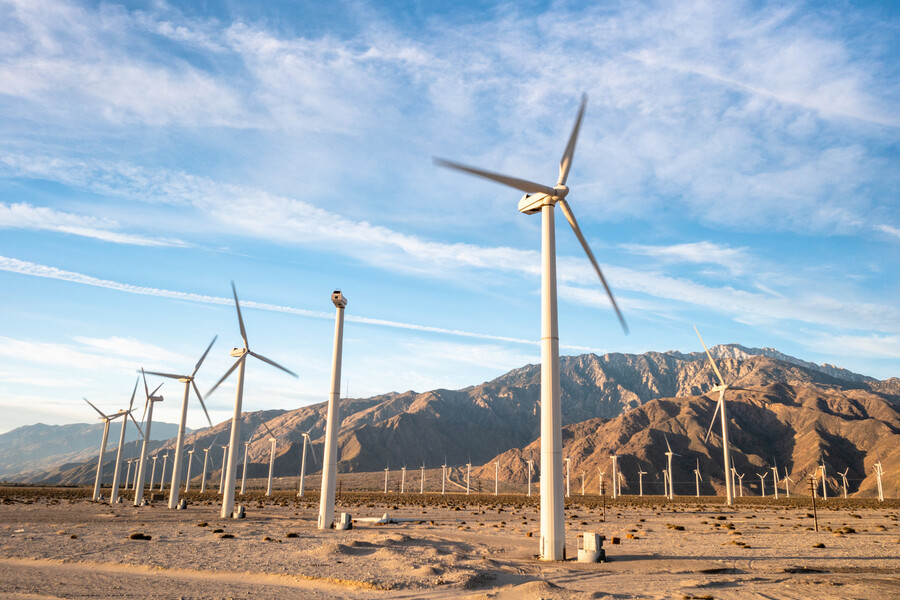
(205,460)
(543,199)
(386,472)
(844,477)
(775,478)
(787,488)
(114,494)
(879,473)
(568,461)
(306,441)
(106,421)
(602,473)
(187,477)
(697,478)
(762,483)
(150,399)
(641,474)
(273,440)
(669,455)
(615,475)
(162,477)
(229,475)
(422,480)
(188,381)
(403,479)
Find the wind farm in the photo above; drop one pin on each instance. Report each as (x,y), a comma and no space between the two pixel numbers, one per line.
(532,414)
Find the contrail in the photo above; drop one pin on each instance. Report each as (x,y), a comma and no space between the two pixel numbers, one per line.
(14,265)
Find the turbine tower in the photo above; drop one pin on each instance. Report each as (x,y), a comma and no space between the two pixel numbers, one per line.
(422,480)
(568,461)
(615,475)
(229,476)
(543,199)
(824,488)
(222,475)
(444,476)
(720,408)
(497,477)
(697,478)
(332,419)
(602,473)
(641,481)
(273,439)
(153,472)
(669,455)
(106,421)
(879,472)
(306,441)
(205,459)
(530,471)
(162,476)
(403,479)
(187,477)
(188,381)
(762,483)
(775,479)
(244,469)
(151,397)
(386,471)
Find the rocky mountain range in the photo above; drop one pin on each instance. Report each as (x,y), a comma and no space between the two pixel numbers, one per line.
(794,412)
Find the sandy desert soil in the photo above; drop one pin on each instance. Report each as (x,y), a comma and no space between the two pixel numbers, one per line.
(56,543)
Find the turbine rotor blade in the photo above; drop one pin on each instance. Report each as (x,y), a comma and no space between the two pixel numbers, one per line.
(200,398)
(168,375)
(94,407)
(227,373)
(565,162)
(146,389)
(133,392)
(153,393)
(587,249)
(523,185)
(269,430)
(200,362)
(667,443)
(240,319)
(709,356)
(271,362)
(136,424)
(713,421)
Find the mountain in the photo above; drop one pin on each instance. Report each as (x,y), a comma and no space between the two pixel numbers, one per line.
(484,421)
(39,448)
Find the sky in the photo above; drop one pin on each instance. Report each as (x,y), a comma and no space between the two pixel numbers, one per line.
(737,169)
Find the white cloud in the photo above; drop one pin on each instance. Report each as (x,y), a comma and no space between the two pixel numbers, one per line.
(25,216)
(736,260)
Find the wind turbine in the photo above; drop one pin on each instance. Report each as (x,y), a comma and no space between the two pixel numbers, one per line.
(543,199)
(188,381)
(762,483)
(824,488)
(720,408)
(386,471)
(568,461)
(187,477)
(641,481)
(403,479)
(444,476)
(306,441)
(244,470)
(740,481)
(332,419)
(229,476)
(128,461)
(879,472)
(787,488)
(697,478)
(530,471)
(151,397)
(844,477)
(615,475)
(468,474)
(114,494)
(162,477)
(602,473)
(582,483)
(205,460)
(222,475)
(775,478)
(153,472)
(497,477)
(621,476)
(273,439)
(422,480)
(106,421)
(669,455)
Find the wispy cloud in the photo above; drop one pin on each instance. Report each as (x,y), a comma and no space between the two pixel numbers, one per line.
(25,216)
(736,260)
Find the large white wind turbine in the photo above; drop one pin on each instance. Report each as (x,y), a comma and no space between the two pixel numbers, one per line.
(543,199)
(240,354)
(332,419)
(151,397)
(720,409)
(106,421)
(188,381)
(114,493)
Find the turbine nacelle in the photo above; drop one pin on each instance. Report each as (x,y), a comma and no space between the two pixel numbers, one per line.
(532,203)
(238,352)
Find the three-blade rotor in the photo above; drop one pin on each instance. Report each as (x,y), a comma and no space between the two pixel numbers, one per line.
(245,350)
(550,195)
(189,379)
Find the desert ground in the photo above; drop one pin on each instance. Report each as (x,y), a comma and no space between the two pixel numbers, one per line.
(56,543)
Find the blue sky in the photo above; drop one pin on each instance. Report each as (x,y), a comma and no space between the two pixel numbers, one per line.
(737,168)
